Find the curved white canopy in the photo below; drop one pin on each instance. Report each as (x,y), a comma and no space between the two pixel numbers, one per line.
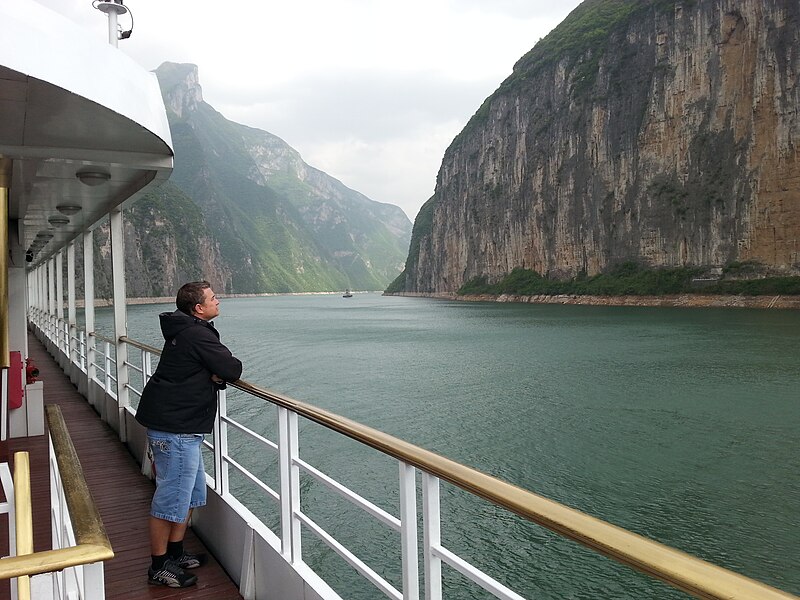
(70,104)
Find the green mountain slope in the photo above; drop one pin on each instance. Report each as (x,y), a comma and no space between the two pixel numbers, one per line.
(282,226)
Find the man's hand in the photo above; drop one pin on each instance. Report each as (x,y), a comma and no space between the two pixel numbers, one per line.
(216,379)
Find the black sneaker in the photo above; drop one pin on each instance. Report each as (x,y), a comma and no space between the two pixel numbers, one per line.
(170,575)
(190,561)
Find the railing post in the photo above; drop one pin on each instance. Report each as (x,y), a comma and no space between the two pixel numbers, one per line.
(408,531)
(88,305)
(221,445)
(72,318)
(82,352)
(94,580)
(147,367)
(91,356)
(41,275)
(73,344)
(41,294)
(120,316)
(58,515)
(107,383)
(51,299)
(37,286)
(431,537)
(31,295)
(66,347)
(290,485)
(38,278)
(60,300)
(8,508)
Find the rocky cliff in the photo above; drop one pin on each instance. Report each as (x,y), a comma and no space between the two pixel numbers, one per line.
(658,131)
(167,243)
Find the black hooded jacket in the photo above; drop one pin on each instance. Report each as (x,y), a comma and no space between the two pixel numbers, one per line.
(180,397)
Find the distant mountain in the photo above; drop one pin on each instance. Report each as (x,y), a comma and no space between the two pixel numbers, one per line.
(281,225)
(243,210)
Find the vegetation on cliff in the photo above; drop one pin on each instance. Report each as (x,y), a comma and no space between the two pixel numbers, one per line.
(279,224)
(638,132)
(632,279)
(423,225)
(579,42)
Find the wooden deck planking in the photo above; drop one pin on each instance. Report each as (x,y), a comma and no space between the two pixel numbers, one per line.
(122,495)
(38,451)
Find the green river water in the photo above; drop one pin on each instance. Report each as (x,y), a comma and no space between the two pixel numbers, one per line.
(679,424)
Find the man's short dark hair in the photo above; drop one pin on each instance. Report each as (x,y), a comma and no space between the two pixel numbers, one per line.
(190,295)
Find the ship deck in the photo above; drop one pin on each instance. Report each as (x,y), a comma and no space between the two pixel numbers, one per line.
(122,495)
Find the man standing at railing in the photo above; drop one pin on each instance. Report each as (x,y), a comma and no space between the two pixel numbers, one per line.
(178,407)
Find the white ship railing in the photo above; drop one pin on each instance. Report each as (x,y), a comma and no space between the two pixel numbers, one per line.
(680,570)
(73,569)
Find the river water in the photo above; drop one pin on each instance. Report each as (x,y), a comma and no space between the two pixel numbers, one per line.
(679,424)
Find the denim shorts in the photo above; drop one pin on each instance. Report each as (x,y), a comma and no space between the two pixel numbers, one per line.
(180,474)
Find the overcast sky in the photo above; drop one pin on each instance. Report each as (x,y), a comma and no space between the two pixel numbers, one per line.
(371,92)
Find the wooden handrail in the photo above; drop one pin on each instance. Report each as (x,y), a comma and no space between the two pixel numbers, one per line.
(139,345)
(92,543)
(678,569)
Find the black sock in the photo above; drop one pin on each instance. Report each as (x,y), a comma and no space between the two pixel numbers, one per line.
(175,549)
(158,561)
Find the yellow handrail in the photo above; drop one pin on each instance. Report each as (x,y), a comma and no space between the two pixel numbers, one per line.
(139,345)
(5,182)
(678,569)
(103,338)
(92,543)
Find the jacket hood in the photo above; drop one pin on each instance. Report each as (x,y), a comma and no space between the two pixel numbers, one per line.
(172,323)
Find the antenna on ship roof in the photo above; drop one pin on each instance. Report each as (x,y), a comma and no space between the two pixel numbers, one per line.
(114,8)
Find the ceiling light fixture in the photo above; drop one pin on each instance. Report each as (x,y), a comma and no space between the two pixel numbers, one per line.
(57,220)
(68,209)
(93,178)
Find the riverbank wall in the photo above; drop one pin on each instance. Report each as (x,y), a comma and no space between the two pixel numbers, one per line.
(105,302)
(681,300)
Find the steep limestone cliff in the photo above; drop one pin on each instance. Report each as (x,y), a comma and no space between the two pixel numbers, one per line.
(660,131)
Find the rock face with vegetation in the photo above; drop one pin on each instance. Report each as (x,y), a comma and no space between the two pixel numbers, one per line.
(663,133)
(243,210)
(167,243)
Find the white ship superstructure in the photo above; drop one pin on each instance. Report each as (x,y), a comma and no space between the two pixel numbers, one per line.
(84,133)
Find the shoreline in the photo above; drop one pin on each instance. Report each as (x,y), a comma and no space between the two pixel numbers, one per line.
(106,302)
(680,300)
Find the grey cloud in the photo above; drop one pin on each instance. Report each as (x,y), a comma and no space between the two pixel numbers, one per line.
(368,105)
(520,9)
